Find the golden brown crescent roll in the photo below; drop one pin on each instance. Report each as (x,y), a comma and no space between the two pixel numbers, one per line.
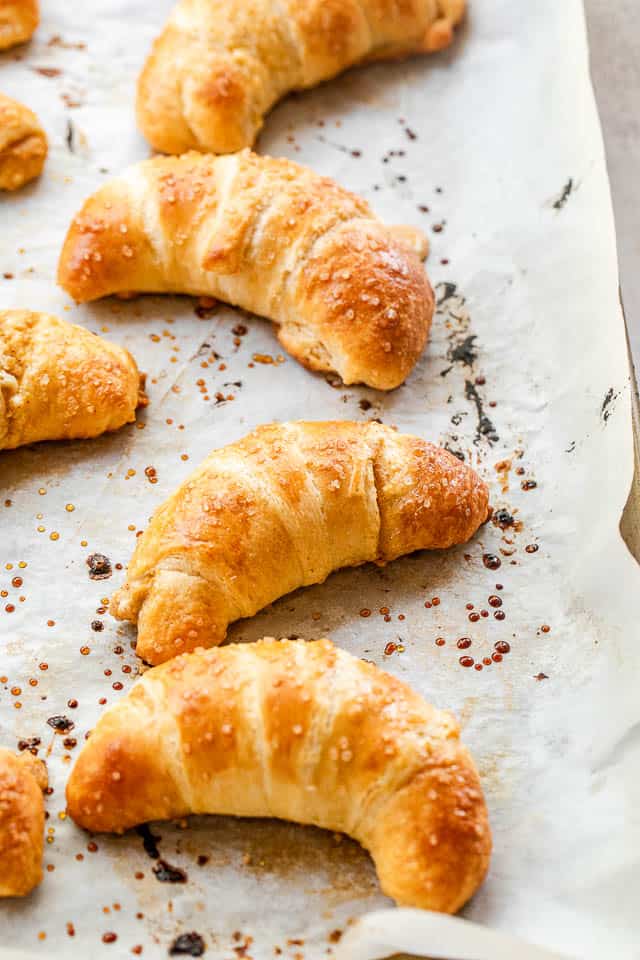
(61,382)
(282,509)
(23,144)
(18,20)
(303,732)
(267,235)
(220,65)
(22,780)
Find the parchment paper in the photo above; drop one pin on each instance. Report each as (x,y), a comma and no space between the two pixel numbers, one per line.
(499,139)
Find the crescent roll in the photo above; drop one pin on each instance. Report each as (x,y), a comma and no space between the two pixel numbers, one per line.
(61,382)
(220,65)
(23,142)
(303,732)
(282,509)
(18,20)
(269,236)
(22,780)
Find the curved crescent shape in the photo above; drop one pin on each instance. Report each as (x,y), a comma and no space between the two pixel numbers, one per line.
(220,65)
(61,382)
(266,235)
(18,20)
(303,732)
(22,780)
(23,144)
(282,509)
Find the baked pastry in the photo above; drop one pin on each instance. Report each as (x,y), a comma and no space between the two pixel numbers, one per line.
(220,65)
(23,143)
(269,236)
(18,20)
(22,780)
(303,732)
(281,509)
(61,382)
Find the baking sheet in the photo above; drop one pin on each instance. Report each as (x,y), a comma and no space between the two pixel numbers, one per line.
(499,139)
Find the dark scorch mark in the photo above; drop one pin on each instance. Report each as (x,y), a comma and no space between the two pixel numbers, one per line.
(463,352)
(187,944)
(503,519)
(70,137)
(484,427)
(167,873)
(149,841)
(567,190)
(606,410)
(163,871)
(61,724)
(99,566)
(456,453)
(444,292)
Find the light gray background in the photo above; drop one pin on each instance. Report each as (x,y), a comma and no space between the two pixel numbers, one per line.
(614,33)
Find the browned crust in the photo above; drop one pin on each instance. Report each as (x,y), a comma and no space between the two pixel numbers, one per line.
(22,780)
(58,381)
(18,21)
(374,295)
(23,143)
(283,508)
(355,299)
(218,68)
(300,731)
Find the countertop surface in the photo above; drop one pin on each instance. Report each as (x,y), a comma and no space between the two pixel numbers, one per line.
(614,34)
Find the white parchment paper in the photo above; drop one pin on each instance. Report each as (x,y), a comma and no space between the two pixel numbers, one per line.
(499,139)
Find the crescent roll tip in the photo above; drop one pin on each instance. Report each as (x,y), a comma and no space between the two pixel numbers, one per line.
(23,144)
(22,780)
(18,21)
